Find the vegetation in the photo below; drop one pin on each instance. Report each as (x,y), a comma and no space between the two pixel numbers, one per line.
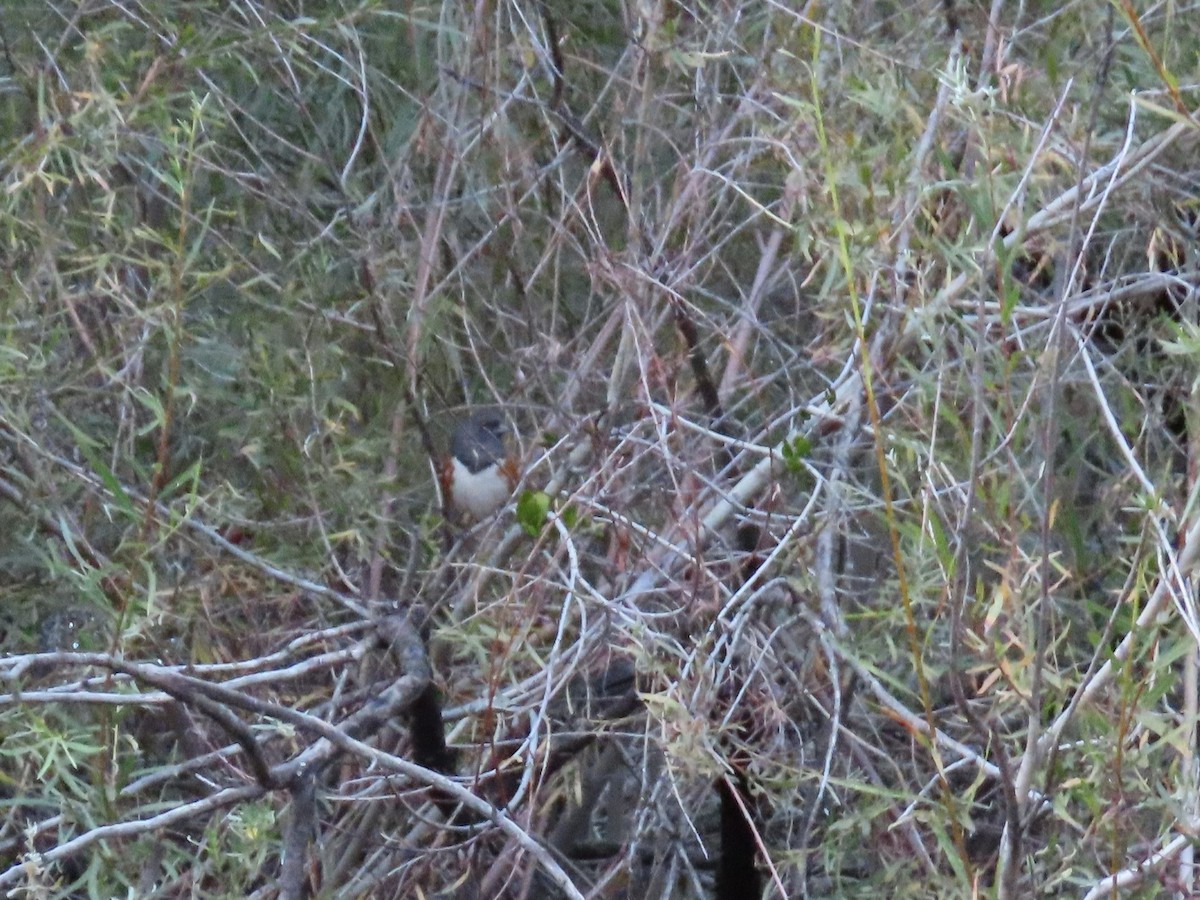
(853,353)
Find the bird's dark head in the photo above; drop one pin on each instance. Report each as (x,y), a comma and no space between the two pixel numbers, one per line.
(479,441)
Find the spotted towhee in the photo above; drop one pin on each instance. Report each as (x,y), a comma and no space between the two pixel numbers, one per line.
(481,473)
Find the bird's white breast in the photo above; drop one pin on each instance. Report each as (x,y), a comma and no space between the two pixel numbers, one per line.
(479,493)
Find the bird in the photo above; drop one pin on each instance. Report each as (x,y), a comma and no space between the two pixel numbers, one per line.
(480,473)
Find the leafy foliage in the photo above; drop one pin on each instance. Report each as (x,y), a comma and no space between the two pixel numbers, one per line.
(862,347)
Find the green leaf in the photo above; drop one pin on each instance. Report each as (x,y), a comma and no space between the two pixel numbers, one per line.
(570,517)
(87,448)
(794,452)
(533,508)
(189,477)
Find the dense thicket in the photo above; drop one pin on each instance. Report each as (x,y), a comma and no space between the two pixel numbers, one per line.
(852,351)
